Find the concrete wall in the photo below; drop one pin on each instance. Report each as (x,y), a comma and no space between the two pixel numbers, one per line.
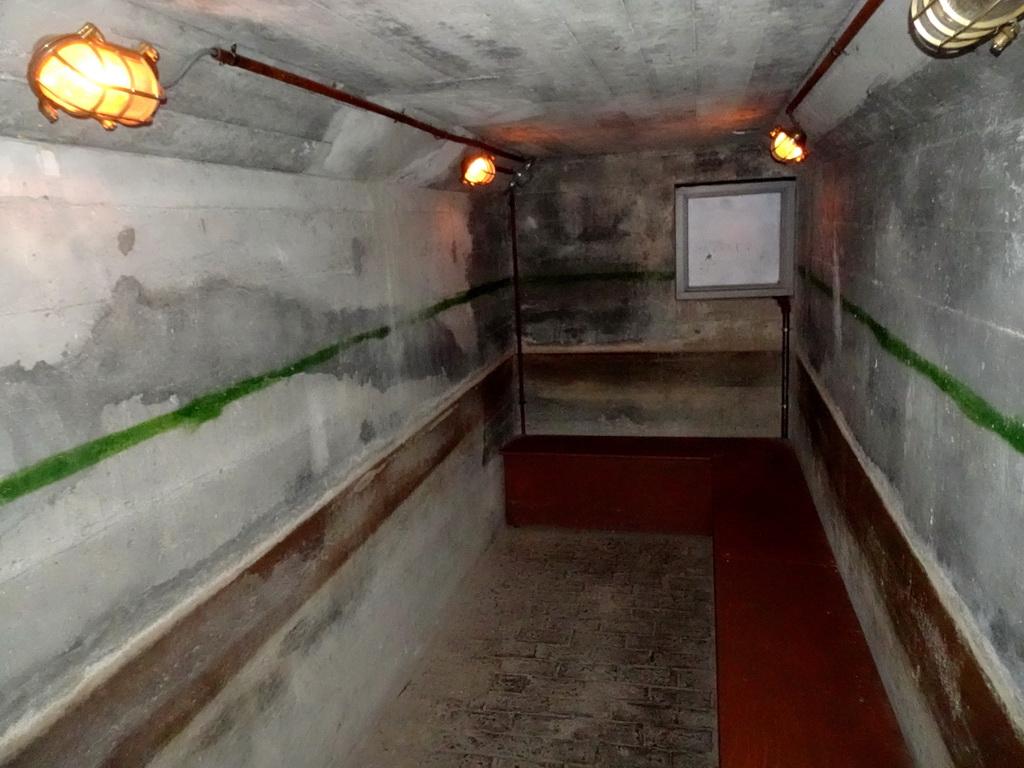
(910,320)
(597,244)
(202,348)
(312,690)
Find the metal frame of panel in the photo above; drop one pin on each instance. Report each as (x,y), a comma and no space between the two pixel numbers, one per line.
(787,224)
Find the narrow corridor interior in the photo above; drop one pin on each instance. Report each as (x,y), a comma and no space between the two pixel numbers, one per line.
(270,367)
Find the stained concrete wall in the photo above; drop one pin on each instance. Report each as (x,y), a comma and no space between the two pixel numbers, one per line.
(308,695)
(597,244)
(909,316)
(136,286)
(201,347)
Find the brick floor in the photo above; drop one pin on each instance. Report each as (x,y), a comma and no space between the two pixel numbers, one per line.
(565,649)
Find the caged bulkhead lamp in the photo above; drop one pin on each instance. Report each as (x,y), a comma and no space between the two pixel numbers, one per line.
(788,146)
(478,170)
(481,170)
(948,27)
(87,77)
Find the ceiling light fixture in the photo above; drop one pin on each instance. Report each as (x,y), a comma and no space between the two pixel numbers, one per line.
(788,146)
(948,27)
(478,170)
(87,77)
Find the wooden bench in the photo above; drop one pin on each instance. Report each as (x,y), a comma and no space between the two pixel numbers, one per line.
(609,483)
(797,687)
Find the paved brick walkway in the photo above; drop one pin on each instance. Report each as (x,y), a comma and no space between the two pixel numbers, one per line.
(566,649)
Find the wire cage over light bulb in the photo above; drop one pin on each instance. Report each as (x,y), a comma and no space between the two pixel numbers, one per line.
(87,77)
(947,27)
(478,170)
(788,146)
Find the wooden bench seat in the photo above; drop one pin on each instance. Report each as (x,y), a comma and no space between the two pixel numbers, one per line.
(797,685)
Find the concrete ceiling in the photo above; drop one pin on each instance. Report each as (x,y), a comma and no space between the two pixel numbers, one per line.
(547,77)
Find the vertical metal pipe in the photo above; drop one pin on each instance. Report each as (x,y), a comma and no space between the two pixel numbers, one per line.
(513,231)
(785,307)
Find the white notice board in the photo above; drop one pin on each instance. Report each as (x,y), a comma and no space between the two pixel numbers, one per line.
(734,240)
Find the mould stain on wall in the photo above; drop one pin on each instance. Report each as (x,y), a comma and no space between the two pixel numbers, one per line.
(175,346)
(403,361)
(166,329)
(126,240)
(612,218)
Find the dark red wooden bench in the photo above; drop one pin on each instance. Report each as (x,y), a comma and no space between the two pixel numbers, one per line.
(797,687)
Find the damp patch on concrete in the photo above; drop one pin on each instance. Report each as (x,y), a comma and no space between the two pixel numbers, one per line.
(126,240)
(416,338)
(420,347)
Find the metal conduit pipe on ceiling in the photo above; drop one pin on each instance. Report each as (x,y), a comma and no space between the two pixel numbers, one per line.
(233,59)
(837,50)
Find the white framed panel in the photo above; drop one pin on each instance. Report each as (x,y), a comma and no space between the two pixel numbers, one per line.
(735,239)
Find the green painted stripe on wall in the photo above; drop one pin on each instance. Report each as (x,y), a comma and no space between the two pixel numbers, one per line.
(971,404)
(208,407)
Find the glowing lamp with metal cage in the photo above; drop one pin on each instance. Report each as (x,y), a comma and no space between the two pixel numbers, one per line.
(478,171)
(947,27)
(788,146)
(87,77)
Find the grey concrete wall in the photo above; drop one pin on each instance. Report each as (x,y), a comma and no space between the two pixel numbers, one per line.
(597,244)
(723,394)
(313,690)
(910,314)
(186,369)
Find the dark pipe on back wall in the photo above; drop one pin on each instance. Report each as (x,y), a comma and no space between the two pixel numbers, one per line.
(232,59)
(519,305)
(784,305)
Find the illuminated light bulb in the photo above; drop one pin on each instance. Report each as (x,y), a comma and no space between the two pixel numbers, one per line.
(788,147)
(85,76)
(952,26)
(478,171)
